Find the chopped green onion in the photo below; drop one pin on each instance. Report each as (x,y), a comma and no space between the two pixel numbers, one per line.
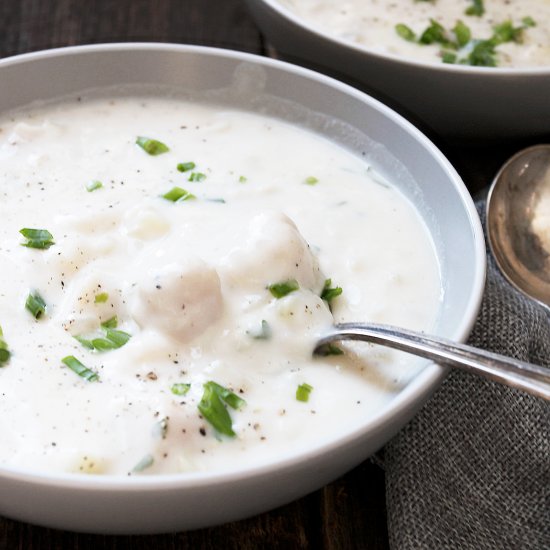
(76,366)
(110,323)
(113,339)
(37,238)
(405,32)
(329,349)
(180,388)
(4,351)
(462,33)
(177,194)
(101,298)
(103,344)
(482,55)
(243,179)
(263,333)
(117,337)
(458,46)
(311,180)
(36,305)
(185,166)
(506,32)
(146,462)
(197,176)
(280,290)
(233,400)
(476,8)
(84,341)
(448,57)
(93,186)
(152,146)
(303,391)
(435,33)
(213,409)
(328,294)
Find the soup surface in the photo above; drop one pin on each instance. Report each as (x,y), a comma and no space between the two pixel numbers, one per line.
(166,269)
(501,33)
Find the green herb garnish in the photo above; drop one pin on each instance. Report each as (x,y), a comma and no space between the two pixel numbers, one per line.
(185,166)
(117,337)
(213,407)
(197,176)
(152,146)
(483,54)
(102,344)
(405,32)
(101,298)
(4,351)
(93,186)
(177,194)
(311,180)
(112,339)
(243,179)
(506,32)
(76,366)
(303,391)
(36,305)
(37,238)
(180,388)
(110,323)
(477,8)
(462,33)
(84,341)
(328,349)
(458,45)
(329,293)
(280,290)
(435,33)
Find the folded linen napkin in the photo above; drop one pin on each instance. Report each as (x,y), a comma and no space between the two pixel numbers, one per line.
(472,469)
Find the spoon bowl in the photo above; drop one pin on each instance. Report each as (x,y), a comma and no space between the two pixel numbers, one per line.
(511,206)
(531,378)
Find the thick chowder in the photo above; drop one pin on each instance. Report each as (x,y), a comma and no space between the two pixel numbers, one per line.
(166,269)
(487,33)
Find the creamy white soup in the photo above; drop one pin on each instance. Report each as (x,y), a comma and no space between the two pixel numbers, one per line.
(166,269)
(490,33)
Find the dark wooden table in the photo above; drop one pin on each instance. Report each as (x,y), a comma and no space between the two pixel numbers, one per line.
(349,513)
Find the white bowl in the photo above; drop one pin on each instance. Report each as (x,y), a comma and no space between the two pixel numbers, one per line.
(110,504)
(455,101)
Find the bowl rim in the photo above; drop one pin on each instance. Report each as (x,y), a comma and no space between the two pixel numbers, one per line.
(315,31)
(411,397)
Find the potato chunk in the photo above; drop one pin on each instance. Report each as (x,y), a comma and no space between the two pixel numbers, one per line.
(180,299)
(274,251)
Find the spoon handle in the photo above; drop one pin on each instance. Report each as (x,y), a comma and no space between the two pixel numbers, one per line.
(517,374)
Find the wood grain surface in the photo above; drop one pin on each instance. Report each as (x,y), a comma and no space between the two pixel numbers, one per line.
(349,513)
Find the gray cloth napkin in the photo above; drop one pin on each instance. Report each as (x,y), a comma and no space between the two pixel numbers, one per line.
(472,469)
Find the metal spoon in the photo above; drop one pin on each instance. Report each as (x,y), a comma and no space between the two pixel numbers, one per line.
(518,374)
(511,204)
(522,259)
